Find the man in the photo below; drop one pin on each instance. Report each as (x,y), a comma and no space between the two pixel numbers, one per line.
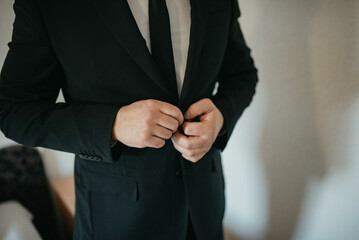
(140,114)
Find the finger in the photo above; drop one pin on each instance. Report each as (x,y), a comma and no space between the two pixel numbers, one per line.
(194,128)
(198,108)
(155,142)
(167,122)
(189,152)
(161,132)
(172,111)
(189,142)
(195,158)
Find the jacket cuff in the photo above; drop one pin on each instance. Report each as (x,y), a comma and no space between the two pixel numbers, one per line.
(224,106)
(98,144)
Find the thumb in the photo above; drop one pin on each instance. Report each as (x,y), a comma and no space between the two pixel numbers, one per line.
(198,108)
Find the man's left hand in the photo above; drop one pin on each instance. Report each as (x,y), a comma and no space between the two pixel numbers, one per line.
(198,137)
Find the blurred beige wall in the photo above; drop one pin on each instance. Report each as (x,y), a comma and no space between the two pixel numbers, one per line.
(293,163)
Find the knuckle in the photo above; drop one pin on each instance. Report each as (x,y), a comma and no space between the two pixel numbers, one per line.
(145,108)
(150,102)
(206,137)
(145,141)
(187,157)
(186,144)
(148,118)
(150,114)
(194,159)
(176,147)
(146,136)
(191,154)
(188,153)
(142,136)
(146,128)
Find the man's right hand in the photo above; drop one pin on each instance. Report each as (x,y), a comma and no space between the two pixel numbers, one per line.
(146,123)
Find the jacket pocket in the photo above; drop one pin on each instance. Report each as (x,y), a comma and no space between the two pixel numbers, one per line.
(119,186)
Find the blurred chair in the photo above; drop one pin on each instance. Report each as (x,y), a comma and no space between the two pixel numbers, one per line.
(22,178)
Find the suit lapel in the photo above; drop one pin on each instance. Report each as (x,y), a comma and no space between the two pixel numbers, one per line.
(118,17)
(199,17)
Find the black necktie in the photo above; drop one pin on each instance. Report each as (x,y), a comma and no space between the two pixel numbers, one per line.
(161,43)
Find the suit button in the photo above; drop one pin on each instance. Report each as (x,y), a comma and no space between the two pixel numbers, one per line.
(179,173)
(90,157)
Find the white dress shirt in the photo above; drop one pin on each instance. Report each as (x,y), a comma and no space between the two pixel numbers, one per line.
(180,20)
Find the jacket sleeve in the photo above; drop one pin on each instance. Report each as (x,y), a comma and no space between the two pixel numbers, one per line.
(237,80)
(30,81)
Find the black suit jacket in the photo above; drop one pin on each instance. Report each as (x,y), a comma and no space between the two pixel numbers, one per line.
(94,51)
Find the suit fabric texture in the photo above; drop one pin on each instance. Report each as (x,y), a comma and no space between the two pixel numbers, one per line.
(93,51)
